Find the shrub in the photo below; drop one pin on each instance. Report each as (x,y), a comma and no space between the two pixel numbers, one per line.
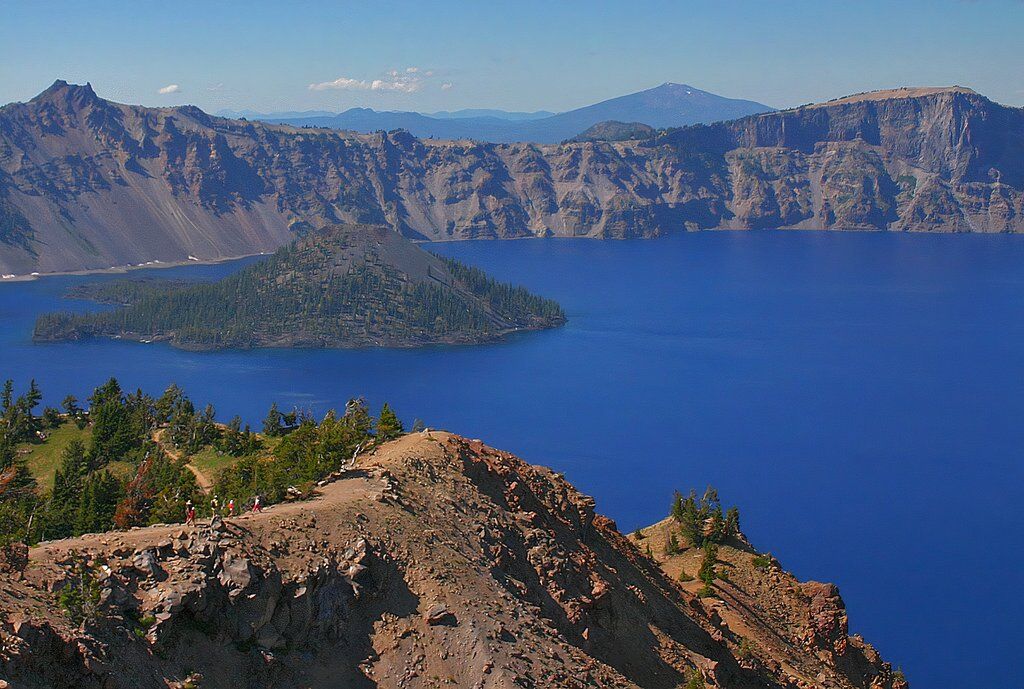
(80,595)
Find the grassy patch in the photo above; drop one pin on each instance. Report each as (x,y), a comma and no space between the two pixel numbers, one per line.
(208,461)
(43,458)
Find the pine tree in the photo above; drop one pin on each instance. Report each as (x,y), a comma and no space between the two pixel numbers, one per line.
(732,522)
(272,422)
(706,573)
(357,417)
(691,522)
(672,544)
(677,506)
(389,426)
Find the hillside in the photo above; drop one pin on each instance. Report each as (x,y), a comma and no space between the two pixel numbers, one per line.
(668,105)
(340,286)
(88,184)
(435,561)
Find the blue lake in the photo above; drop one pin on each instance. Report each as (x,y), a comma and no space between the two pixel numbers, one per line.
(859,396)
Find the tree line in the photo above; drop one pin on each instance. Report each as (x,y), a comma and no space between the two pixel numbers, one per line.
(120,476)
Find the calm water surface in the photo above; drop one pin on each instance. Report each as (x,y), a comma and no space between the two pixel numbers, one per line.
(859,396)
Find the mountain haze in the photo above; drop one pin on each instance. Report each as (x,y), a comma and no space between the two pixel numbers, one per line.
(668,105)
(86,183)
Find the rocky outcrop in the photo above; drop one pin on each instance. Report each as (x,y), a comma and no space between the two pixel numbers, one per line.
(435,561)
(796,630)
(86,183)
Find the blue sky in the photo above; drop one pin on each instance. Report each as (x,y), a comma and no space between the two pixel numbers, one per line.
(555,54)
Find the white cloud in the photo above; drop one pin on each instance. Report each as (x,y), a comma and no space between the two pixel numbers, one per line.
(216,87)
(412,70)
(447,86)
(170,88)
(395,81)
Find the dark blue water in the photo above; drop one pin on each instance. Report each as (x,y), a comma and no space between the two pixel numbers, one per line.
(859,396)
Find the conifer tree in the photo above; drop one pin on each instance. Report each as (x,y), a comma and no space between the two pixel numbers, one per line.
(691,522)
(706,573)
(272,422)
(732,522)
(389,426)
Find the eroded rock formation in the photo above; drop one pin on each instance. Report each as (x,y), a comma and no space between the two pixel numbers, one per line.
(86,183)
(436,561)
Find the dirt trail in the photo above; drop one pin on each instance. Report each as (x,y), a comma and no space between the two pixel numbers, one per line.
(357,487)
(205,484)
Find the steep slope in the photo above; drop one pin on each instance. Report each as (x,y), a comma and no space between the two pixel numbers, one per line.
(85,183)
(437,561)
(797,629)
(341,286)
(668,105)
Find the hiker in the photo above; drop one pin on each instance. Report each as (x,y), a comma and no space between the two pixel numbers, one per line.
(214,505)
(231,507)
(256,506)
(190,513)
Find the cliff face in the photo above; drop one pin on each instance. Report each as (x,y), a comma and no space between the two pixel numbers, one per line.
(436,561)
(86,183)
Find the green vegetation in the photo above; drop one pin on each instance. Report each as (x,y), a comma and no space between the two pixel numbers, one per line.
(79,598)
(304,455)
(762,561)
(672,544)
(702,520)
(342,287)
(43,458)
(123,460)
(707,573)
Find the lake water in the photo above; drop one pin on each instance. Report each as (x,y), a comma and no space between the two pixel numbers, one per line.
(859,396)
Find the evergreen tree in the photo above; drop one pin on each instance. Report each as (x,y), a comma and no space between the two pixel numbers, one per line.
(357,417)
(691,522)
(672,544)
(706,573)
(67,491)
(165,405)
(389,426)
(732,522)
(677,507)
(51,417)
(272,423)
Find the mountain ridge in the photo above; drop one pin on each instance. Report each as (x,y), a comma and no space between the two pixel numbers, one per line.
(89,184)
(667,105)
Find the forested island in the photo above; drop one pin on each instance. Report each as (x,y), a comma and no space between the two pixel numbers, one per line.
(341,286)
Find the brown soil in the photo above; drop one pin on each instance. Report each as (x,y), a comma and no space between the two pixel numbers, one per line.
(437,561)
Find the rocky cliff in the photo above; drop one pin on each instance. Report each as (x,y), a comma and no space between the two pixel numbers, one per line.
(86,183)
(436,561)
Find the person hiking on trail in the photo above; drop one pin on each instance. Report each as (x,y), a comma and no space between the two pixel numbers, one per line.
(256,505)
(214,505)
(190,513)
(231,507)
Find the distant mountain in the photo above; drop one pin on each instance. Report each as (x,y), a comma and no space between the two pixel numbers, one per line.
(483,112)
(341,286)
(616,131)
(668,105)
(86,183)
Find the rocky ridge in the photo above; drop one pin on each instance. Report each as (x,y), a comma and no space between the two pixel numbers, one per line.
(436,561)
(86,183)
